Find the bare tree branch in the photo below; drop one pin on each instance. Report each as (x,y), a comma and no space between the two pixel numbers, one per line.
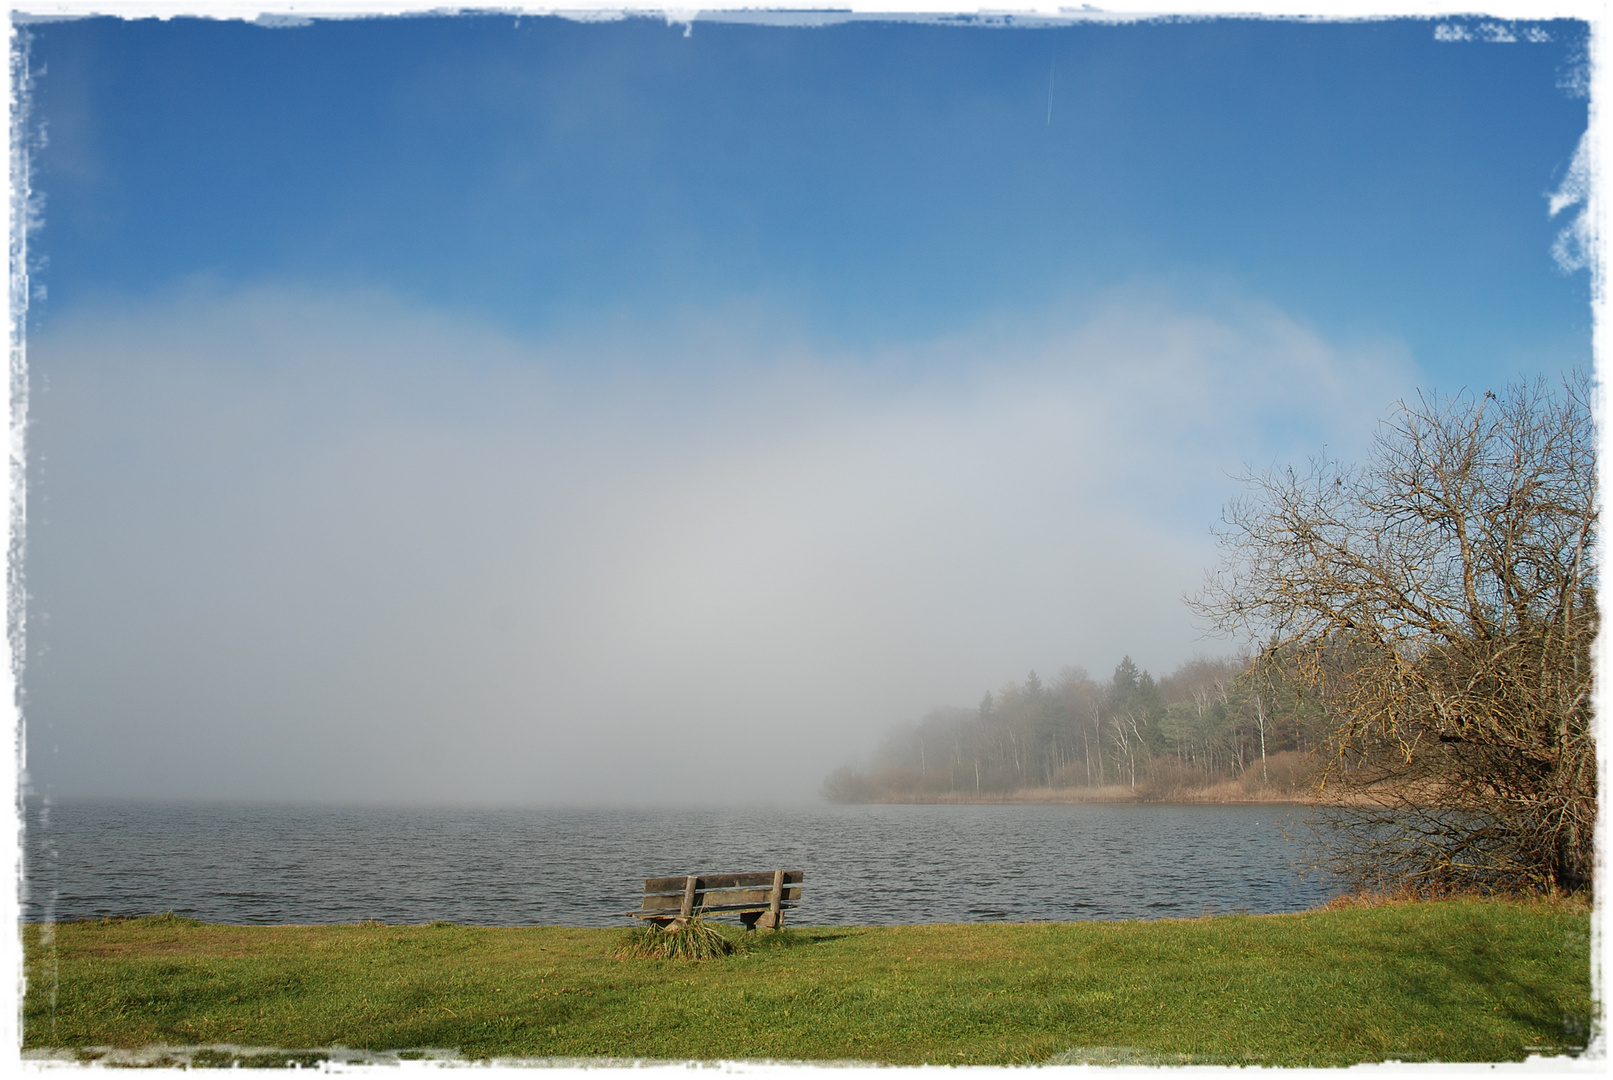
(1440,603)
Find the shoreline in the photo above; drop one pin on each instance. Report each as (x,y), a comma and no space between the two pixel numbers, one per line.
(1104,796)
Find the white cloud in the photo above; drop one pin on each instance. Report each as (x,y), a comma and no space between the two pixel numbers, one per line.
(1574,244)
(328,547)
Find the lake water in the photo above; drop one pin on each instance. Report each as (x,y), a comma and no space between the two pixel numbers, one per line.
(585,867)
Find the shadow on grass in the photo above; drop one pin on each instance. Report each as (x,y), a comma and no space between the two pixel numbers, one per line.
(1531,1003)
(1535,1004)
(765,941)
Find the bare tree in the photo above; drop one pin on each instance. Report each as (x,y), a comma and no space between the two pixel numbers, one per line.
(1440,602)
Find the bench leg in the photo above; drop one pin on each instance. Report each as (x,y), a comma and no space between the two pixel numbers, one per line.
(775,909)
(773,920)
(749,919)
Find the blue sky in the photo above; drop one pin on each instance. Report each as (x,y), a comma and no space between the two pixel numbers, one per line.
(532,384)
(877,181)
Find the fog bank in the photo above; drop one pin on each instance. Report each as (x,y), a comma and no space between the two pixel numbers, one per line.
(286,545)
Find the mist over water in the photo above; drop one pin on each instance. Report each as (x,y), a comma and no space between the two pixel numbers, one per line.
(386,557)
(546,411)
(864,865)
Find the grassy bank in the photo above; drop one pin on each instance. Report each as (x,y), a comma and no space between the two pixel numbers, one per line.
(1457,980)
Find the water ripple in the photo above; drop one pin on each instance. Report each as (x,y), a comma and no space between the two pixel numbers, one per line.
(575,867)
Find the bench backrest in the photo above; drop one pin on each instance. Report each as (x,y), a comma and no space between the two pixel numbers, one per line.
(694,894)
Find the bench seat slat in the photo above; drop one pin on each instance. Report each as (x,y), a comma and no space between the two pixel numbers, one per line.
(720,881)
(722,909)
(720,897)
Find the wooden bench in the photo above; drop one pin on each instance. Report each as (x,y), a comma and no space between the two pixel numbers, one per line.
(758,899)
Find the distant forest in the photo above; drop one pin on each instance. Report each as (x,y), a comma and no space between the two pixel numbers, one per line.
(1210,729)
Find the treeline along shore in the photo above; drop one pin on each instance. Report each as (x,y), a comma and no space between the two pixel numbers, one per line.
(1213,730)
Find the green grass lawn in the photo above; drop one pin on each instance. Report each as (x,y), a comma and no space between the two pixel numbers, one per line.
(1453,981)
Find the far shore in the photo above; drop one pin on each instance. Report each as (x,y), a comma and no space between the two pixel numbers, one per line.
(1220,794)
